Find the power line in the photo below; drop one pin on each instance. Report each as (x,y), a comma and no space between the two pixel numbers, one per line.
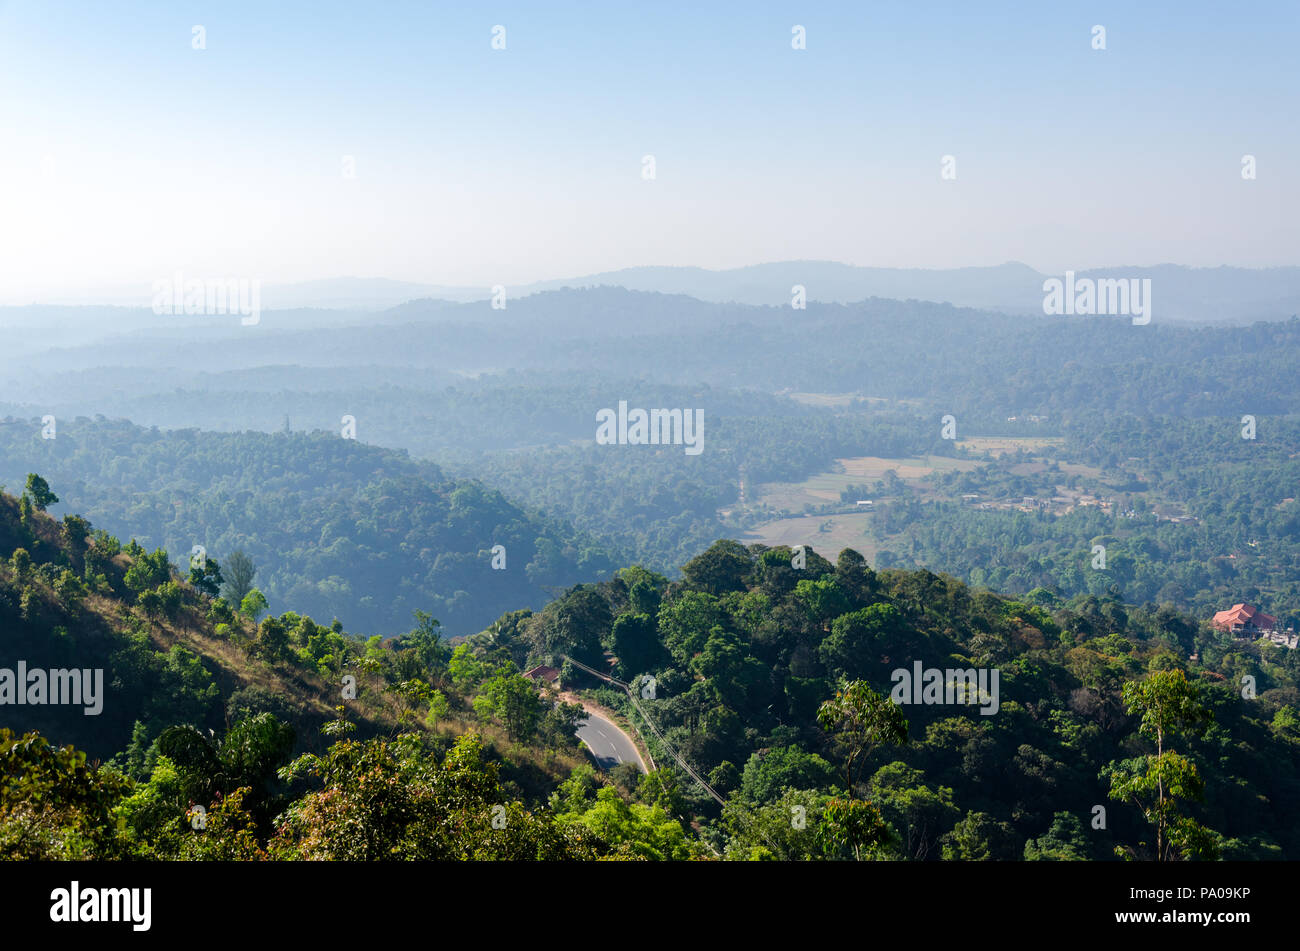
(680,760)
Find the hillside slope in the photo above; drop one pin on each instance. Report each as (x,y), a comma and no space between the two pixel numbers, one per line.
(337,528)
(73,598)
(171,654)
(775,676)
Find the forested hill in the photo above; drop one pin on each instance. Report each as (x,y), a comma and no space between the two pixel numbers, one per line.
(748,648)
(976,363)
(132,698)
(775,677)
(336,528)
(72,596)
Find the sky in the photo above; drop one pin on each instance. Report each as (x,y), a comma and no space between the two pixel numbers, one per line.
(127,155)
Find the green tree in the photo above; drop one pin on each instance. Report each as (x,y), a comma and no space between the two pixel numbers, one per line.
(239,574)
(859,637)
(427,642)
(21,562)
(147,571)
(466,667)
(635,642)
(720,569)
(206,578)
(576,624)
(272,638)
(979,838)
(38,491)
(768,773)
(686,622)
(390,800)
(559,725)
(512,699)
(246,757)
(920,813)
(796,827)
(170,598)
(861,720)
(824,599)
(662,788)
(53,804)
(634,830)
(253,605)
(856,826)
(1064,841)
(1166,703)
(75,532)
(438,709)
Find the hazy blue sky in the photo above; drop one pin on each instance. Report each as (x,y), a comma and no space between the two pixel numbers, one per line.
(125,154)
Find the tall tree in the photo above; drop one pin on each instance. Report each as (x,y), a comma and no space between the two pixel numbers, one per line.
(239,573)
(206,578)
(862,720)
(1166,703)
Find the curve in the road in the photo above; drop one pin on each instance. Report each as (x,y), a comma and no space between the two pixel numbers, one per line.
(607,742)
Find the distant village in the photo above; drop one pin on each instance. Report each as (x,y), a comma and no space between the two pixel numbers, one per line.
(1064,504)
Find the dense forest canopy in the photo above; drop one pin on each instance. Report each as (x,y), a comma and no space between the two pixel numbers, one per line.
(776,681)
(337,528)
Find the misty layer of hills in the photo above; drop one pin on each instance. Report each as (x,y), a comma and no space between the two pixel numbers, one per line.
(509,396)
(984,362)
(1212,295)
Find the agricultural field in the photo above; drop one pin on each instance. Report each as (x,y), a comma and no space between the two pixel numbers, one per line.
(1001,445)
(828,535)
(834,400)
(826,487)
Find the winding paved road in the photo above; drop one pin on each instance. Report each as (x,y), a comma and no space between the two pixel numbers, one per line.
(607,742)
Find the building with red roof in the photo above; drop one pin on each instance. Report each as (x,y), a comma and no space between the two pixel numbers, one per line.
(1241,619)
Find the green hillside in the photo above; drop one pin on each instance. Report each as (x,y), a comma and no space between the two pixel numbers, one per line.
(775,680)
(336,528)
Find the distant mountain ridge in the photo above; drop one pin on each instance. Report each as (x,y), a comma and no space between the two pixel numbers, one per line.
(1197,294)
(1222,294)
(1216,294)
